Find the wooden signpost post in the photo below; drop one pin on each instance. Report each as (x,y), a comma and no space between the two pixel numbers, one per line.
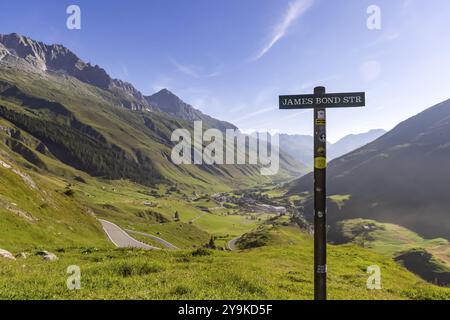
(319,101)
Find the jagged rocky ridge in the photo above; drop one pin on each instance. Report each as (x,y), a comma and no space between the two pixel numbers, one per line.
(58,58)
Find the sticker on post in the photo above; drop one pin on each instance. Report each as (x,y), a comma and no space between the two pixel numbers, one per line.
(320,122)
(321,114)
(323,137)
(320,163)
(322,269)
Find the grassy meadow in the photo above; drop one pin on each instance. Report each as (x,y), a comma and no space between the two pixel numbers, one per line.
(275,271)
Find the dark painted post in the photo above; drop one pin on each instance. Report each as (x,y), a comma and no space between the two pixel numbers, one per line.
(320,236)
(319,101)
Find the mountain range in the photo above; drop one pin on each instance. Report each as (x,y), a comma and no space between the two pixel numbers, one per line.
(84,118)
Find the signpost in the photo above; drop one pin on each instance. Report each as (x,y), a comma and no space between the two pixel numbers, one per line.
(319,101)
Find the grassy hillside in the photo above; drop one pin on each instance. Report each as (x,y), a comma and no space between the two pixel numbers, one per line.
(73,118)
(67,203)
(387,238)
(36,212)
(271,272)
(427,258)
(280,269)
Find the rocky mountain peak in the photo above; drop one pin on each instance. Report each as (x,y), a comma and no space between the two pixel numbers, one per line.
(170,103)
(58,58)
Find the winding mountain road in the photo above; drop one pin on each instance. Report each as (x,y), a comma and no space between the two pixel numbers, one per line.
(121,239)
(158,239)
(232,244)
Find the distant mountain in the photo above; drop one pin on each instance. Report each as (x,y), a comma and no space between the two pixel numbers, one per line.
(402,177)
(300,147)
(169,103)
(59,59)
(352,142)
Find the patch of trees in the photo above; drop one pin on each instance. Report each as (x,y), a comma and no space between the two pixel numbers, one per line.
(24,151)
(13,92)
(152,216)
(255,239)
(84,152)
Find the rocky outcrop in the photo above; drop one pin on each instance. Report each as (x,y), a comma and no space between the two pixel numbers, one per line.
(48,256)
(6,254)
(5,165)
(22,255)
(3,51)
(13,208)
(58,58)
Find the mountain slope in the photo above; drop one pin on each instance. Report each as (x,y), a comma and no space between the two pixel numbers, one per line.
(37,211)
(400,178)
(352,142)
(429,258)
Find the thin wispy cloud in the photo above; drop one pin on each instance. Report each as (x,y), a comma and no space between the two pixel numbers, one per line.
(125,71)
(193,71)
(255,113)
(162,82)
(187,70)
(294,11)
(386,37)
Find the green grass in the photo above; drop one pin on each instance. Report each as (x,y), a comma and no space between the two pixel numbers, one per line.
(122,202)
(42,215)
(182,235)
(389,239)
(280,270)
(228,226)
(340,199)
(428,258)
(271,272)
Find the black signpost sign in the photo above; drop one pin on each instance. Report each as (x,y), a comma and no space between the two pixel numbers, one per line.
(325,100)
(319,101)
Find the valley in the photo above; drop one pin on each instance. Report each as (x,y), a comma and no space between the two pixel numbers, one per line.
(86,179)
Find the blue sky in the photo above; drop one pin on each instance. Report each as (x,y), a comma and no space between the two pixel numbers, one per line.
(232,58)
